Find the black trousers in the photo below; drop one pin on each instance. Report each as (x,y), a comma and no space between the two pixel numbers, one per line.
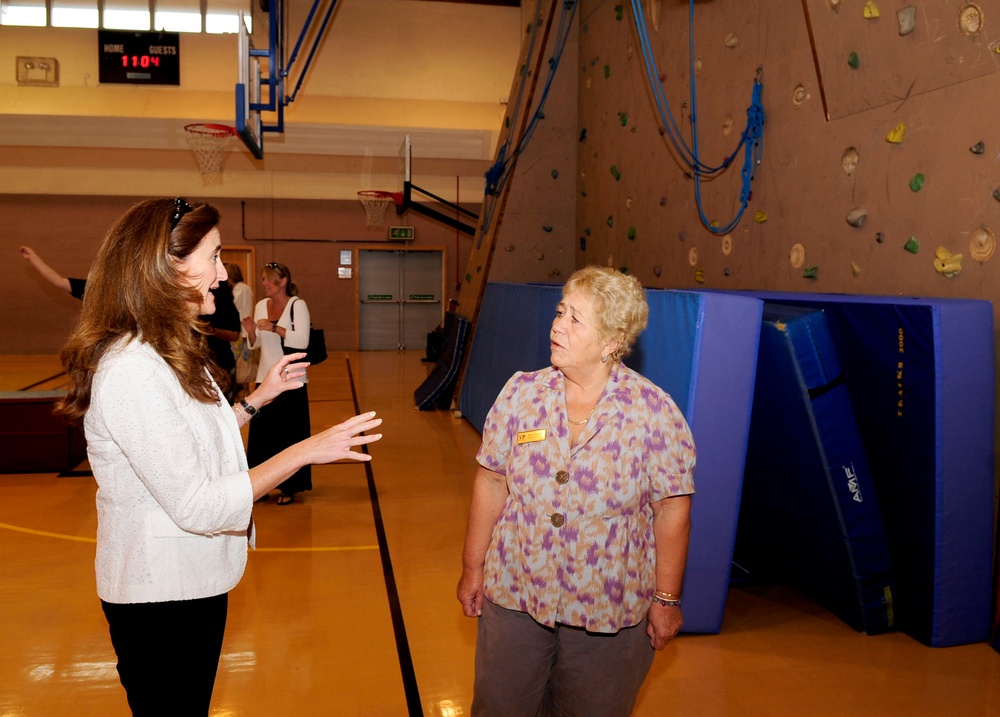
(168,653)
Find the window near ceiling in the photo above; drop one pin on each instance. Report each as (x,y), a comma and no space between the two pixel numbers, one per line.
(219,16)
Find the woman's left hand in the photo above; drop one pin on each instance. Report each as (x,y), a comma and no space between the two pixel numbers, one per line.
(662,624)
(285,375)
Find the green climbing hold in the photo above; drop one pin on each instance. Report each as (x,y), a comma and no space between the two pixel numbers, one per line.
(631,233)
(917,182)
(853,60)
(912,245)
(611,220)
(810,272)
(619,12)
(615,173)
(623,118)
(607,71)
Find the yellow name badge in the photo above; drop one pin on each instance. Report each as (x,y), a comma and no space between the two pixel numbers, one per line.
(531,436)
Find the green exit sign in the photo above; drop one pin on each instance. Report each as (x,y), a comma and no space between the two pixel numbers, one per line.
(401,232)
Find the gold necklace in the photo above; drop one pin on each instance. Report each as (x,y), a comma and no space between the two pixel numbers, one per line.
(584,421)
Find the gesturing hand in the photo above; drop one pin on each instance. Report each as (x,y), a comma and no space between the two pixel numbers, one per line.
(337,442)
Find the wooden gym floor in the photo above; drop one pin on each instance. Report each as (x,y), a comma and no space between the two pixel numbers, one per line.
(348,608)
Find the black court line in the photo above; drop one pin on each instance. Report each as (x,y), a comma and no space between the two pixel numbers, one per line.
(414,708)
(44,380)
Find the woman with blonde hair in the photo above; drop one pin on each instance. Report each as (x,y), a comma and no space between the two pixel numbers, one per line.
(174,494)
(578,528)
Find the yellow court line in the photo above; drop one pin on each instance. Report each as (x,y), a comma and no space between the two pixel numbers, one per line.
(61,536)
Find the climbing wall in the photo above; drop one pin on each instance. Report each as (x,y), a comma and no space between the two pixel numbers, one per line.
(878,171)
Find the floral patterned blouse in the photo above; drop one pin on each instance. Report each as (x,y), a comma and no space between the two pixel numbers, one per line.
(574,543)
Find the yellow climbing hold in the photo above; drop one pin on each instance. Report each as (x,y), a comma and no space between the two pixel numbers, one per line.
(855,269)
(870,10)
(760,217)
(896,134)
(699,276)
(946,263)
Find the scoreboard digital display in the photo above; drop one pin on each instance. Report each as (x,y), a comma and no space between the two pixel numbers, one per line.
(139,58)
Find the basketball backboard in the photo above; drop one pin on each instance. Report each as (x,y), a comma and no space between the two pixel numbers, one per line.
(248,121)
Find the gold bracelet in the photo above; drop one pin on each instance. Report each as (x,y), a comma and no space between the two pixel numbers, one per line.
(667,596)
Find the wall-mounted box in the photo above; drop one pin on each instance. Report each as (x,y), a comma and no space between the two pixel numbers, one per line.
(37,71)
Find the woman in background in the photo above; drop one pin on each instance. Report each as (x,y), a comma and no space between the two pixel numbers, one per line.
(272,329)
(246,360)
(174,494)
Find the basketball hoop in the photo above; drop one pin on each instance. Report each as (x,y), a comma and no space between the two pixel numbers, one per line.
(377,203)
(209,141)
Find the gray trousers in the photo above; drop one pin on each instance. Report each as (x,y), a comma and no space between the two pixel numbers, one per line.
(524,669)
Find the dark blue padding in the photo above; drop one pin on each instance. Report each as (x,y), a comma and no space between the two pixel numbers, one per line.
(920,373)
(809,513)
(702,350)
(437,388)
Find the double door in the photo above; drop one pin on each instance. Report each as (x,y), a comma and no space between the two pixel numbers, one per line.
(400,294)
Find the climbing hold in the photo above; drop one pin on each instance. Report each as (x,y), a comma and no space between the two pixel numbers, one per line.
(797,256)
(978,148)
(731,41)
(855,270)
(917,182)
(587,231)
(693,256)
(583,134)
(760,217)
(912,245)
(547,229)
(554,272)
(657,270)
(879,237)
(540,255)
(631,233)
(682,235)
(853,61)
(727,125)
(849,160)
(663,201)
(631,51)
(799,96)
(699,276)
(697,66)
(611,221)
(623,118)
(726,271)
(907,18)
(996,194)
(970,19)
(583,243)
(810,272)
(727,245)
(628,202)
(834,5)
(589,83)
(623,269)
(870,12)
(509,247)
(619,12)
(946,263)
(607,71)
(555,174)
(982,243)
(615,173)
(583,192)
(663,77)
(895,135)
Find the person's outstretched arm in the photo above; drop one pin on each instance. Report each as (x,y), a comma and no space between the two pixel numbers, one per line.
(50,274)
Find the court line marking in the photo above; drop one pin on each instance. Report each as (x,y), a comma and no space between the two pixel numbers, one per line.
(81,539)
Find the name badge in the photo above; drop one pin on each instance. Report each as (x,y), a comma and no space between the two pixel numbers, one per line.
(531,436)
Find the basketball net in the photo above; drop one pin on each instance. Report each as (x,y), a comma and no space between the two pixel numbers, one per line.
(376,204)
(209,142)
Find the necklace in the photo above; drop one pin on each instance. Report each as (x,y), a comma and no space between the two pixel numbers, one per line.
(584,421)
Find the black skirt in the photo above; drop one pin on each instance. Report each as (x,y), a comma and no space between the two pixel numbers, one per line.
(280,424)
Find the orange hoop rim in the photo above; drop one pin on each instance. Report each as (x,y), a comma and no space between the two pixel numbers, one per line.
(215,130)
(397,197)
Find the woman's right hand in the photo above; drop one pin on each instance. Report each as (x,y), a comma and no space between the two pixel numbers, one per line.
(470,592)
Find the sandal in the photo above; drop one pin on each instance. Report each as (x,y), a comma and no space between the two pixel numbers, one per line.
(285,499)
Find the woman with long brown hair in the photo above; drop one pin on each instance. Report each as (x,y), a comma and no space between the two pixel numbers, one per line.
(174,494)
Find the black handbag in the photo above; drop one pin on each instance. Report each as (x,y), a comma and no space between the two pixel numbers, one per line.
(316,350)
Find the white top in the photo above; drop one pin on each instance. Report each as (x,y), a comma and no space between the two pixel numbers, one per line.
(269,342)
(243,298)
(174,497)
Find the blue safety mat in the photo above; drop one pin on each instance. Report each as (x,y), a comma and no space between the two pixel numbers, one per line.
(810,513)
(920,374)
(702,349)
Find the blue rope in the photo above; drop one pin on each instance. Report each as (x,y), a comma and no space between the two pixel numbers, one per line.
(751,138)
